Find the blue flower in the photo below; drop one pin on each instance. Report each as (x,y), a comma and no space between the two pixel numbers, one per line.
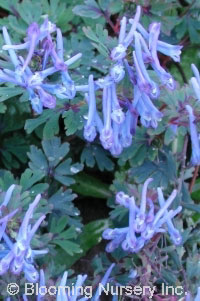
(174,51)
(129,38)
(140,68)
(33,33)
(174,233)
(141,214)
(117,72)
(150,115)
(117,114)
(197,298)
(119,52)
(195,81)
(116,148)
(47,99)
(106,135)
(89,128)
(11,52)
(166,78)
(47,46)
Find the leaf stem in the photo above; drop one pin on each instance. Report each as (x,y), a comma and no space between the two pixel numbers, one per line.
(183,159)
(195,175)
(180,69)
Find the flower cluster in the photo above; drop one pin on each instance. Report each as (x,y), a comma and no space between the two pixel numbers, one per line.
(19,256)
(143,225)
(39,43)
(120,118)
(65,294)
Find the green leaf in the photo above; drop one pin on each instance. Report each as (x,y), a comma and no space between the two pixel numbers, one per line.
(89,10)
(57,226)
(38,160)
(51,127)
(62,203)
(92,233)
(54,150)
(8,92)
(192,207)
(62,238)
(32,124)
(112,6)
(39,188)
(140,149)
(74,121)
(29,178)
(90,34)
(18,25)
(91,186)
(169,136)
(14,147)
(100,38)
(64,169)
(29,11)
(69,247)
(90,236)
(8,5)
(92,154)
(163,171)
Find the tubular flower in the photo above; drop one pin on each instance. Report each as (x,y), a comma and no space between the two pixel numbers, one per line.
(150,115)
(5,219)
(166,78)
(143,224)
(198,294)
(33,33)
(174,51)
(106,135)
(89,129)
(119,52)
(195,81)
(140,68)
(20,256)
(174,233)
(195,159)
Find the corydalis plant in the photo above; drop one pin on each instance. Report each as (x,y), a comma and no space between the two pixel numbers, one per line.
(143,224)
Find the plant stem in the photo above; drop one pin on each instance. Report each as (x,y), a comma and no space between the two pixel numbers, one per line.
(183,159)
(180,69)
(196,171)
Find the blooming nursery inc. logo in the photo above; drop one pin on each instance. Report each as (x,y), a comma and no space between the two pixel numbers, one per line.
(131,108)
